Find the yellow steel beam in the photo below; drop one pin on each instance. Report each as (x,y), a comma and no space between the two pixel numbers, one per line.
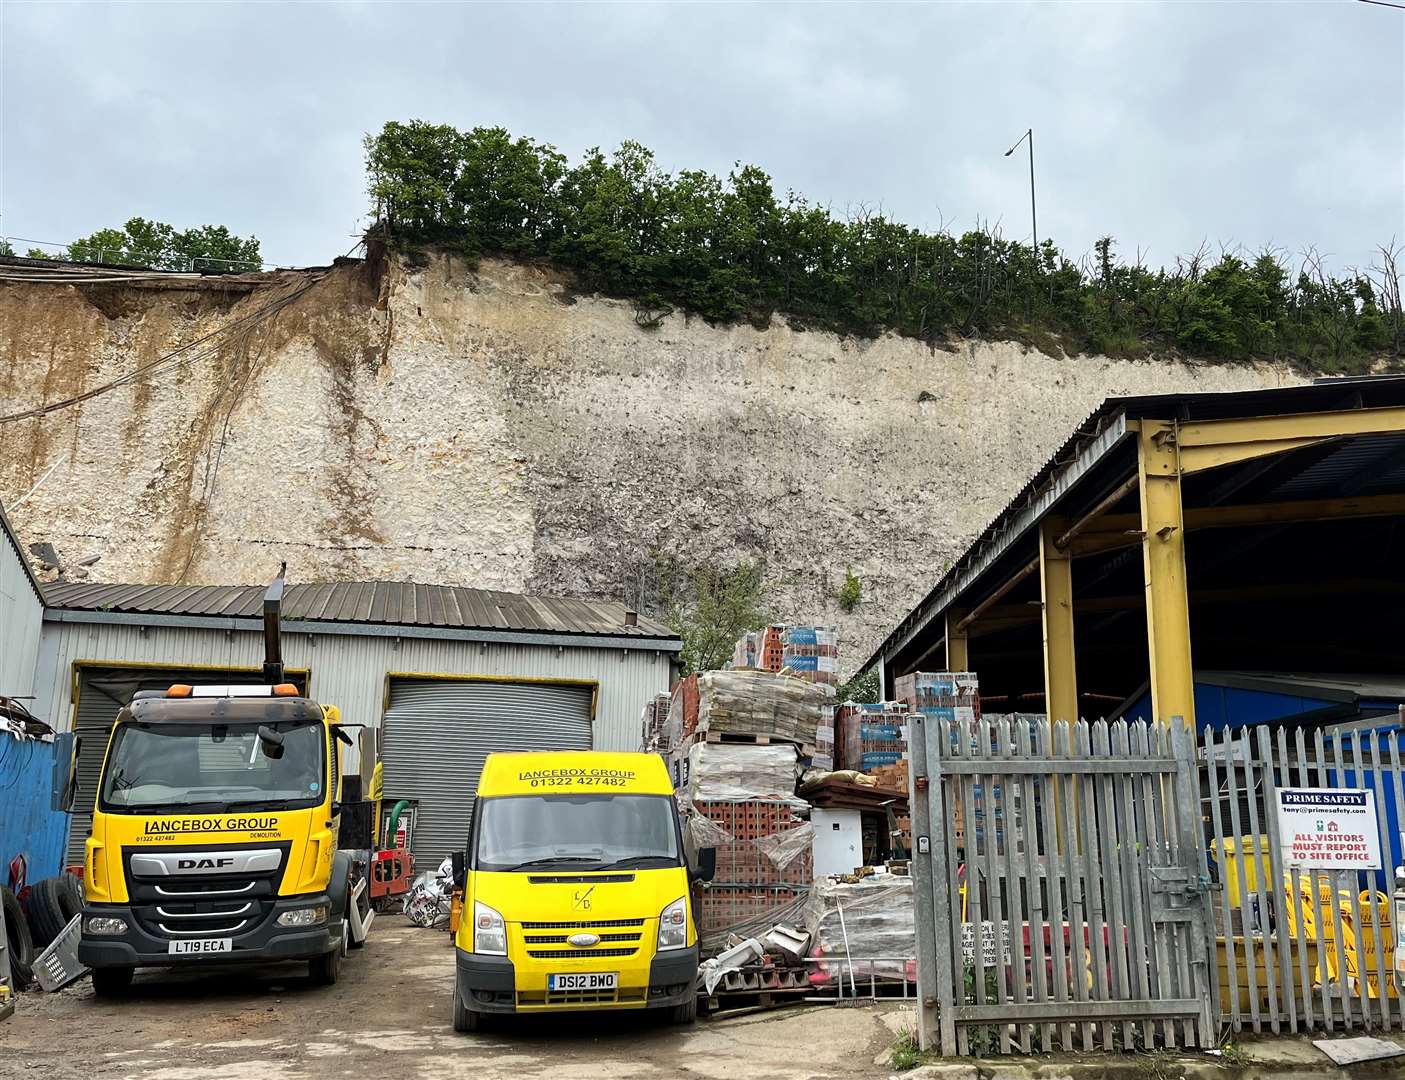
(958,657)
(1056,595)
(1163,561)
(1113,531)
(1205,444)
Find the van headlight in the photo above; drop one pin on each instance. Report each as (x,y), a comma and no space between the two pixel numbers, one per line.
(673,925)
(489,931)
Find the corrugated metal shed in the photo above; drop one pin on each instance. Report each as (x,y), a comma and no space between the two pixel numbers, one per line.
(21,616)
(383,603)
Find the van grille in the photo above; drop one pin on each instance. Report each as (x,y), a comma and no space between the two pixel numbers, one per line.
(577,954)
(560,939)
(581,925)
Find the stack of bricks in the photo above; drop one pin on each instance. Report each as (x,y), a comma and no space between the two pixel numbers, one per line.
(812,653)
(652,720)
(744,651)
(893,777)
(757,828)
(823,758)
(872,735)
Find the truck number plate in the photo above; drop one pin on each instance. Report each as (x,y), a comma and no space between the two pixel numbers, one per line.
(201,947)
(593,980)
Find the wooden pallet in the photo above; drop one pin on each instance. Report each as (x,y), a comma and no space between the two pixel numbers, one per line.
(743,738)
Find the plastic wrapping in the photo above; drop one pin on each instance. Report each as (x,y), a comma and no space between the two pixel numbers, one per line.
(872,735)
(653,719)
(871,921)
(812,652)
(740,771)
(758,841)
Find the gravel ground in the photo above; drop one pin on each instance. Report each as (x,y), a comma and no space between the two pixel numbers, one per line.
(390,1015)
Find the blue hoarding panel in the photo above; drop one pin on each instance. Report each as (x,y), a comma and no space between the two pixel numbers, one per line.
(28,828)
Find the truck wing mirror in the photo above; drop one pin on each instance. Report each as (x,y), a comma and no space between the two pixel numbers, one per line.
(65,783)
(706,868)
(456,861)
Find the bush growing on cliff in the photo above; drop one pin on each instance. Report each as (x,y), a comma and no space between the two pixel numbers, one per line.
(731,248)
(711,606)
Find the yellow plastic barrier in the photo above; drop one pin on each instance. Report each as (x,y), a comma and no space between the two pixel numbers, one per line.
(1357,949)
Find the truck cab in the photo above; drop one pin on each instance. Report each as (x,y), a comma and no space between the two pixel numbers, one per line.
(576,889)
(214,835)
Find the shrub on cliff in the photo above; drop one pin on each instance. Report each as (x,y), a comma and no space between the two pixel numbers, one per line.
(731,248)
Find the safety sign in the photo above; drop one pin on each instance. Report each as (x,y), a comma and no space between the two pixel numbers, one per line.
(1328,829)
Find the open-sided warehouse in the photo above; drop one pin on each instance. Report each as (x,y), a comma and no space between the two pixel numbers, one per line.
(1240,532)
(447,674)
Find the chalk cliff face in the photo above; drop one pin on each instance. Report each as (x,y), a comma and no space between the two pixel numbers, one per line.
(491,427)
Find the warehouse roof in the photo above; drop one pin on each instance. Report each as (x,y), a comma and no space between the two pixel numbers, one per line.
(369,603)
(1103,436)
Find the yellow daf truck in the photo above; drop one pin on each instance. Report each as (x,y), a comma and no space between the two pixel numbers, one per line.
(216,831)
(576,889)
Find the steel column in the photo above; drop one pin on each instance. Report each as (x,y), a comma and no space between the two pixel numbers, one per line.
(1163,558)
(958,657)
(1056,595)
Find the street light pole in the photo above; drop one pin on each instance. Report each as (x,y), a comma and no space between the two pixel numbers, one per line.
(1033,217)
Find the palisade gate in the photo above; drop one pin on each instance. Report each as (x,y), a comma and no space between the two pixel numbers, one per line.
(1063,900)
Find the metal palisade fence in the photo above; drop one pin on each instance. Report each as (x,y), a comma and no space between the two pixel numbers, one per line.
(1304,830)
(1061,886)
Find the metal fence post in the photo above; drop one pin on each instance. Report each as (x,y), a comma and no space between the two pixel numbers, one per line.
(924,881)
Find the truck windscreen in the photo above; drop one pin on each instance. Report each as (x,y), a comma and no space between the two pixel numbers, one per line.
(576,832)
(214,767)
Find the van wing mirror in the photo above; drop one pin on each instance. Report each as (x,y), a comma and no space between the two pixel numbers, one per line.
(706,868)
(456,860)
(65,782)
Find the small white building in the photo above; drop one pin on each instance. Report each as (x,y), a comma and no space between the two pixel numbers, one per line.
(446,674)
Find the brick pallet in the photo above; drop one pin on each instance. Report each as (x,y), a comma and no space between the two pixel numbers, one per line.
(872,735)
(758,829)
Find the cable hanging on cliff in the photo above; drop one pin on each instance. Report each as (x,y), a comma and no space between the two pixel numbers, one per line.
(174,360)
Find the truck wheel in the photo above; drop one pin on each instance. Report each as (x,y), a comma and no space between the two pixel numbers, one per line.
(324,969)
(20,944)
(112,982)
(686,1013)
(465,1019)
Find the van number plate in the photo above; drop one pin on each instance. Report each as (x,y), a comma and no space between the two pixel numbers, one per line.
(597,980)
(202,947)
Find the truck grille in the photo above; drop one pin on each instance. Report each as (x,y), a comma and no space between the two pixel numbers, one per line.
(193,905)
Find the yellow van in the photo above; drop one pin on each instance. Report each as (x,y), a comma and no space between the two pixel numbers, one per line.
(576,889)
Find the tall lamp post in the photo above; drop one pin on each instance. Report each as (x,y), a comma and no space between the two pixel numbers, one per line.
(1033,219)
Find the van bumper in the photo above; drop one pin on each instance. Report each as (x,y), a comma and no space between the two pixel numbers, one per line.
(265,943)
(488,984)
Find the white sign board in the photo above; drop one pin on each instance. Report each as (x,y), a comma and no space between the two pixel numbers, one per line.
(1328,829)
(993,950)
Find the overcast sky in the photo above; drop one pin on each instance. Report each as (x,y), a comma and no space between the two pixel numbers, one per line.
(1164,124)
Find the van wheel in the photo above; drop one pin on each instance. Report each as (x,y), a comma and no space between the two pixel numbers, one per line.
(465,1019)
(686,1013)
(112,982)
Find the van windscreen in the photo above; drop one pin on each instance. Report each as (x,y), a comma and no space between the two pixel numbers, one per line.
(577,832)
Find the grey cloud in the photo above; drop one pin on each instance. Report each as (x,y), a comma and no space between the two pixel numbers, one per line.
(1162,124)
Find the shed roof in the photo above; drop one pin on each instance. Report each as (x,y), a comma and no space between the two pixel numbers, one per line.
(8,534)
(1096,441)
(379,603)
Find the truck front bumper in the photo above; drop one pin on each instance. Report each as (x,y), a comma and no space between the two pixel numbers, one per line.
(265,943)
(488,984)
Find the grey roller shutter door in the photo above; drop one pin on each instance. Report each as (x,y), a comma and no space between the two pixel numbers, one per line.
(438,732)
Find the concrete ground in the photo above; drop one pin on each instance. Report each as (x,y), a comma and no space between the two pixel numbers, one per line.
(389,1015)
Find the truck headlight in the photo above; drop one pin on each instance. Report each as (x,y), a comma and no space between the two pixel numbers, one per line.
(673,925)
(105,924)
(489,931)
(304,916)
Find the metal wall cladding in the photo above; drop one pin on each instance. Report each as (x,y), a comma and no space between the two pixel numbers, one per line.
(348,671)
(438,732)
(21,616)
